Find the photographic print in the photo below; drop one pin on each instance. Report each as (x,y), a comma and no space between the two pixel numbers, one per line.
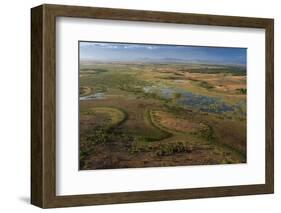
(155,105)
(118,116)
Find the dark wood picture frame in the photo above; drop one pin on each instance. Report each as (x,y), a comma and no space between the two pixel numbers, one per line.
(43,105)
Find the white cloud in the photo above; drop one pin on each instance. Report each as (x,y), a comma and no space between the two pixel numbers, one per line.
(118,45)
(152,47)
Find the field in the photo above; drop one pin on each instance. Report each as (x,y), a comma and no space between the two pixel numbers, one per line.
(135,115)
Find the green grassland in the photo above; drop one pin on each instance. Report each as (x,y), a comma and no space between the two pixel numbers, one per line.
(145,115)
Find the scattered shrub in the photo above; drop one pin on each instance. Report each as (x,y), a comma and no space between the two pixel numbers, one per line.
(206,85)
(206,131)
(173,148)
(242,91)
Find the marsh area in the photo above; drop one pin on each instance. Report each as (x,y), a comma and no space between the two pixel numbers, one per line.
(135,114)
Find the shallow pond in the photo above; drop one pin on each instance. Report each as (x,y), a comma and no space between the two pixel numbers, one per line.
(94,96)
(182,97)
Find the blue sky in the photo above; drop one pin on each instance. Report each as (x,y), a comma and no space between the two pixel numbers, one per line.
(104,51)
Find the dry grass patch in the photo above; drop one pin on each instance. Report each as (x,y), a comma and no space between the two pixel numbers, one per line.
(172,122)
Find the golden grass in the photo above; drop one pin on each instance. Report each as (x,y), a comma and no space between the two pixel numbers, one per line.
(115,115)
(174,123)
